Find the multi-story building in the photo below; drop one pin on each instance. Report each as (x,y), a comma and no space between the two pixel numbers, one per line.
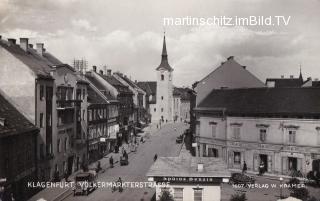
(102,120)
(125,98)
(278,127)
(113,106)
(45,90)
(181,104)
(139,98)
(18,145)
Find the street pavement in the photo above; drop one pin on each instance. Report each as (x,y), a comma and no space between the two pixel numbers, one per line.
(160,141)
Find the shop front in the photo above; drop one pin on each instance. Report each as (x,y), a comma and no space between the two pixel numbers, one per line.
(189,178)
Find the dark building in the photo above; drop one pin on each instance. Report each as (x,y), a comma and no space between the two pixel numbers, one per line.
(18,148)
(285,82)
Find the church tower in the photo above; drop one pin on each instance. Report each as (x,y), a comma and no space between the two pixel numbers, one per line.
(164,102)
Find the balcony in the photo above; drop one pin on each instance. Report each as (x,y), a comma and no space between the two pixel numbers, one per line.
(67,104)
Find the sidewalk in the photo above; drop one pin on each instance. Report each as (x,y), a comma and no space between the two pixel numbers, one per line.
(56,194)
(267,175)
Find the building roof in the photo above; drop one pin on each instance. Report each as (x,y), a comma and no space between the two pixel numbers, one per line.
(40,65)
(129,81)
(150,88)
(94,97)
(182,92)
(264,101)
(286,82)
(230,74)
(186,166)
(116,83)
(164,58)
(100,87)
(15,122)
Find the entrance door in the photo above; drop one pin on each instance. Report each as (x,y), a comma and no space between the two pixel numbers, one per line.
(264,160)
(293,164)
(212,152)
(70,164)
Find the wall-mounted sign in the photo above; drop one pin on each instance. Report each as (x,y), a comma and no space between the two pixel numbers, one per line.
(195,180)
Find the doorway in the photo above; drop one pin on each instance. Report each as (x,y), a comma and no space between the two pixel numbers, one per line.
(264,160)
(70,164)
(293,163)
(212,152)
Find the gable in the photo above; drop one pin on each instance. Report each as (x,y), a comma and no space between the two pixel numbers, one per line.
(229,74)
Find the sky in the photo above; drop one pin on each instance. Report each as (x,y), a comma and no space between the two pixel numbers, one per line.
(127,35)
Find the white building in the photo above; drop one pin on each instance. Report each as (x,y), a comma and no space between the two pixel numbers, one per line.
(190,178)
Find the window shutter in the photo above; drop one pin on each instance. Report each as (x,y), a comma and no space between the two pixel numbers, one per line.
(284,165)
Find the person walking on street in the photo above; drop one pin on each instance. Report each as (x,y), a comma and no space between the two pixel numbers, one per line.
(244,169)
(111,162)
(155,157)
(119,183)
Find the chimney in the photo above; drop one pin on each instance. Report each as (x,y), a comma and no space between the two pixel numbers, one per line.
(94,68)
(200,167)
(282,76)
(40,49)
(291,76)
(12,41)
(109,72)
(31,46)
(24,44)
(244,67)
(230,58)
(101,72)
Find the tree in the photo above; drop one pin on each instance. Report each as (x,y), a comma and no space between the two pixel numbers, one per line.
(238,197)
(166,196)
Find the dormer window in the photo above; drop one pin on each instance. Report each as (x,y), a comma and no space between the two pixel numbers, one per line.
(162,77)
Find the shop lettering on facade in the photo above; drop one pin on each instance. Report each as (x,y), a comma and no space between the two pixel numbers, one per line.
(188,179)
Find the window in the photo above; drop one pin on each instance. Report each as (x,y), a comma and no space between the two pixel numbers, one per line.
(161,97)
(161,109)
(41,92)
(213,129)
(65,144)
(263,135)
(292,136)
(178,194)
(197,194)
(236,132)
(78,94)
(41,120)
(58,145)
(84,93)
(162,77)
(154,109)
(237,158)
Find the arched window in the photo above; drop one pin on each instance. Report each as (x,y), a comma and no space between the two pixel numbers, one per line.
(162,77)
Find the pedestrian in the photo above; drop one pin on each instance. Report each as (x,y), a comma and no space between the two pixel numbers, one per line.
(244,168)
(119,183)
(261,168)
(125,155)
(111,162)
(155,157)
(122,149)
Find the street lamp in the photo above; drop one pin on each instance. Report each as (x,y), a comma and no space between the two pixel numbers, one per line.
(281,179)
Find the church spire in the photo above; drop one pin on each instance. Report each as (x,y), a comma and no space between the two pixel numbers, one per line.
(164,56)
(300,76)
(164,48)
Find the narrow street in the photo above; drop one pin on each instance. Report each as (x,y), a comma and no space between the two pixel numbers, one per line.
(161,142)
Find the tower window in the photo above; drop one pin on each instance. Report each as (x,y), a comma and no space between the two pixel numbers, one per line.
(162,77)
(161,97)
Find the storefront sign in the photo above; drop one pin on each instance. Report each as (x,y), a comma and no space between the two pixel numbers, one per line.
(188,179)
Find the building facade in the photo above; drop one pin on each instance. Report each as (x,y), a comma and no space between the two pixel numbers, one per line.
(270,126)
(17,165)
